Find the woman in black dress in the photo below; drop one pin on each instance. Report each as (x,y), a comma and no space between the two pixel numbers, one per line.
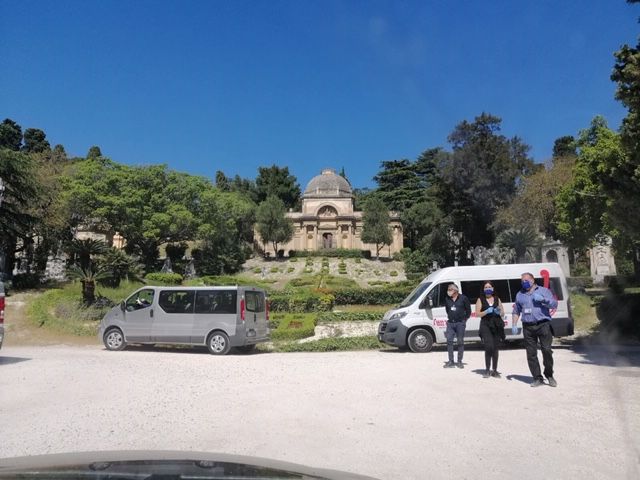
(489,309)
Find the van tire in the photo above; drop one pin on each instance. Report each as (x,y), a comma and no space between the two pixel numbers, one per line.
(218,343)
(420,340)
(113,339)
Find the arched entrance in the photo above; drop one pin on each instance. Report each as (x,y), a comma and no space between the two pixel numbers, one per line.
(327,240)
(552,256)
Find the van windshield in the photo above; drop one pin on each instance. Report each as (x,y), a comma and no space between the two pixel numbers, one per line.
(413,296)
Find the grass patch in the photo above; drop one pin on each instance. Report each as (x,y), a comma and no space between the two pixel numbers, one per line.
(332,345)
(62,310)
(584,313)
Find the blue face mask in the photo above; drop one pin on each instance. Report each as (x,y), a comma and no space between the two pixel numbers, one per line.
(488,291)
(526,284)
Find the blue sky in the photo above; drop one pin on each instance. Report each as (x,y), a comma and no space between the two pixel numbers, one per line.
(233,85)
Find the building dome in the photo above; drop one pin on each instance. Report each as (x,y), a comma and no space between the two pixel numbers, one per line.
(328,184)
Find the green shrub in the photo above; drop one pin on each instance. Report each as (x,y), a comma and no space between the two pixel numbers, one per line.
(274,270)
(619,314)
(300,302)
(308,270)
(358,260)
(164,278)
(293,260)
(333,345)
(22,281)
(294,327)
(370,296)
(393,273)
(378,283)
(291,270)
(257,270)
(579,283)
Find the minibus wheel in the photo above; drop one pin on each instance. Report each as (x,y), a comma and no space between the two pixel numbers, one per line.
(218,343)
(420,340)
(114,339)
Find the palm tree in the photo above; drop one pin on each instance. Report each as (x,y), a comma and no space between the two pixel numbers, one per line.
(118,265)
(88,277)
(524,240)
(84,249)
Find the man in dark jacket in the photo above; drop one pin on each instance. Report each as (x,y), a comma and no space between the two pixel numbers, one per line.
(458,312)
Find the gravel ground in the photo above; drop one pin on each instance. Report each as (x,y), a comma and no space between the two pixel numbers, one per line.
(385,414)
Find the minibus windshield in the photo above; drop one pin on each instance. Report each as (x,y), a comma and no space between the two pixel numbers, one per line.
(413,296)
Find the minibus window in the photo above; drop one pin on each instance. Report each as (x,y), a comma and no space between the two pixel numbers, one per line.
(255,301)
(439,294)
(415,294)
(176,301)
(475,289)
(216,301)
(139,300)
(555,285)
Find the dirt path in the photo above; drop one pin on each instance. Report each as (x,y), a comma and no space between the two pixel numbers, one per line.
(19,330)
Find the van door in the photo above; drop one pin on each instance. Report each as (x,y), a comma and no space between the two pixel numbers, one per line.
(174,318)
(216,309)
(256,316)
(139,316)
(437,314)
(473,290)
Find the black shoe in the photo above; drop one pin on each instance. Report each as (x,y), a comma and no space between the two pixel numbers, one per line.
(552,382)
(495,374)
(537,383)
(460,365)
(486,374)
(449,365)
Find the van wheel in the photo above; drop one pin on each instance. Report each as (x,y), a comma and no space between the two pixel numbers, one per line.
(218,343)
(420,340)
(247,348)
(114,339)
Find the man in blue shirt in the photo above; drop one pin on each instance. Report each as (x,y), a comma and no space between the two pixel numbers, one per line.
(533,303)
(458,312)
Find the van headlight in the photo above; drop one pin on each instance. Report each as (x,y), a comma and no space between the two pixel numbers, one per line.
(398,316)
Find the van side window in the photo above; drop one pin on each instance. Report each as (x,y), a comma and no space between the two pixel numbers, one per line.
(555,285)
(140,300)
(439,294)
(254,301)
(176,301)
(216,301)
(475,289)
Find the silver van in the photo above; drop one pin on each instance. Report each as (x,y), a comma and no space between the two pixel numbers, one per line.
(219,317)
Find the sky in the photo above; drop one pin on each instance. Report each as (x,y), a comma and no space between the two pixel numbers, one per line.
(233,85)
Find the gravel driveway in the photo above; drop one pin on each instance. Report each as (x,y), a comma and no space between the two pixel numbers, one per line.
(385,414)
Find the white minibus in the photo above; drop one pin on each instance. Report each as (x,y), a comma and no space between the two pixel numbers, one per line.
(420,320)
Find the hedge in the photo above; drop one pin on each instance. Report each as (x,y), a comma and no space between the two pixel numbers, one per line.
(371,296)
(164,278)
(334,253)
(301,302)
(333,345)
(619,314)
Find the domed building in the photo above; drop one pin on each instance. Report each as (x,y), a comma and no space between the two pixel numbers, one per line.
(328,219)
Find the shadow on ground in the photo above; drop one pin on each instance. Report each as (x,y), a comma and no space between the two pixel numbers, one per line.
(10,360)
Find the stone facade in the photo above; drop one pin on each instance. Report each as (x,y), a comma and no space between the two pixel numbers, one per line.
(328,219)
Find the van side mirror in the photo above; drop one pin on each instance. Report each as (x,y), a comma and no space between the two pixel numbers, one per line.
(430,300)
(122,306)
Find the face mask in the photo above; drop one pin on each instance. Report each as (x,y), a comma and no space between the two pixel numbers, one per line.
(526,284)
(451,293)
(488,291)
